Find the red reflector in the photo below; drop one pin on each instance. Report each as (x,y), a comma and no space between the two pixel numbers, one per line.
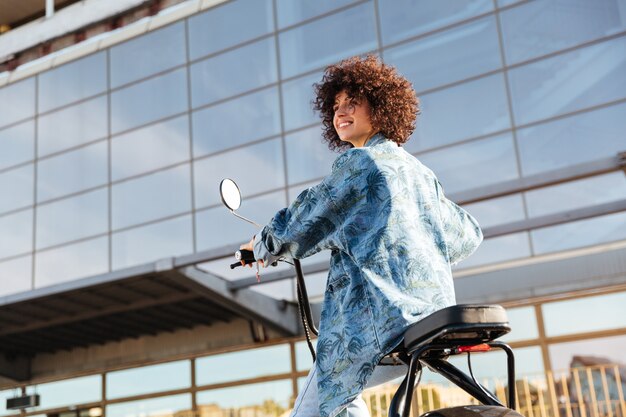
(476,348)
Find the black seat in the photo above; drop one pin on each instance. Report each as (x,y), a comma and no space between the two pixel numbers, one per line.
(463,324)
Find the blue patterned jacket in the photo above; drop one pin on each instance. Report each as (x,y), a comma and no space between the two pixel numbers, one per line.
(393,236)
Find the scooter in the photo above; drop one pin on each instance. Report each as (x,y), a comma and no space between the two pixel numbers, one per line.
(454,330)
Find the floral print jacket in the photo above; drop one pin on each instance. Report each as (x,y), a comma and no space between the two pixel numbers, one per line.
(393,236)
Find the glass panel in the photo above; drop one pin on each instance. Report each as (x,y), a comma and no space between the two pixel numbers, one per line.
(148,54)
(530,31)
(474,164)
(244,364)
(21,95)
(600,351)
(523,324)
(16,231)
(15,276)
(577,194)
(268,399)
(401,19)
(71,262)
(572,81)
(497,211)
(72,218)
(577,139)
(228,25)
(16,188)
(454,114)
(72,171)
(317,44)
(236,122)
(433,61)
(588,314)
(298,97)
(499,249)
(291,12)
(308,156)
(159,145)
(225,75)
(71,82)
(175,405)
(580,233)
(147,379)
(72,126)
(265,171)
(492,365)
(304,361)
(504,3)
(149,100)
(87,389)
(149,243)
(17,144)
(10,393)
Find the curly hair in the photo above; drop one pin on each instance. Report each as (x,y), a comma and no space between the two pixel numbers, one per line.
(394,106)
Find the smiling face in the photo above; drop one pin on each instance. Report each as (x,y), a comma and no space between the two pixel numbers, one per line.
(352,120)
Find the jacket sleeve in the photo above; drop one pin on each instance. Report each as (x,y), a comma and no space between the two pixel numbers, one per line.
(461,231)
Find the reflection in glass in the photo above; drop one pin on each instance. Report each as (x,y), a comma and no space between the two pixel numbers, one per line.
(433,61)
(576,139)
(148,54)
(171,406)
(580,233)
(271,360)
(17,144)
(227,74)
(308,156)
(291,12)
(71,82)
(468,110)
(21,95)
(150,243)
(16,188)
(499,249)
(72,126)
(69,392)
(611,349)
(149,148)
(148,379)
(269,399)
(298,98)
(72,171)
(236,122)
(72,218)
(497,211)
(228,25)
(328,40)
(401,19)
(572,81)
(70,262)
(16,231)
(154,196)
(15,276)
(523,324)
(264,172)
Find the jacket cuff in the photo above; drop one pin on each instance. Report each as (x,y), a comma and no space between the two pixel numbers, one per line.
(261,251)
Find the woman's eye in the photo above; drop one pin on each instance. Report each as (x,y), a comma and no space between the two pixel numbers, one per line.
(335,108)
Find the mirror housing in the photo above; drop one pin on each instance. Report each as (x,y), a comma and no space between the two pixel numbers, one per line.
(230,194)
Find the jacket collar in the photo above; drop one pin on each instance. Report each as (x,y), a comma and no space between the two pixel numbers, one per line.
(378,138)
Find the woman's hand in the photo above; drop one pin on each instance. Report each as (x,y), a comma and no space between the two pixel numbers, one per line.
(250,246)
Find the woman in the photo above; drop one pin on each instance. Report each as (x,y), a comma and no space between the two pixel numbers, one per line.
(391,232)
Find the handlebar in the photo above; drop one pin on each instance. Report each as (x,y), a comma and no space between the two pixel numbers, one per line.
(243,255)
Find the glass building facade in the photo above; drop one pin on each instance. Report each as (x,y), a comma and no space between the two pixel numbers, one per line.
(113,160)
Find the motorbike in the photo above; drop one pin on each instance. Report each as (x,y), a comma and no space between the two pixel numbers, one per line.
(455,330)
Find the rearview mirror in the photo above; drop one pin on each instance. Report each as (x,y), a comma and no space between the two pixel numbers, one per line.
(230,194)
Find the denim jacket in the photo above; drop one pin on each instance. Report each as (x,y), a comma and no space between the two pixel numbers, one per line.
(393,236)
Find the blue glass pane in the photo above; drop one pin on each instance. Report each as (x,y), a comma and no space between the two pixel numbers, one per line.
(504,3)
(308,156)
(291,12)
(497,211)
(72,171)
(148,379)
(151,197)
(154,407)
(236,122)
(401,19)
(328,40)
(228,74)
(15,276)
(72,82)
(72,126)
(298,98)
(523,324)
(150,100)
(565,356)
(256,169)
(542,27)
(229,25)
(69,392)
(252,398)
(159,145)
(575,80)
(16,231)
(468,110)
(72,218)
(17,144)
(577,139)
(71,262)
(21,95)
(148,54)
(498,249)
(16,188)
(449,56)
(475,164)
(150,243)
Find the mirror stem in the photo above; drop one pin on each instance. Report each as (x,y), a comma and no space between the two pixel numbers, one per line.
(248,220)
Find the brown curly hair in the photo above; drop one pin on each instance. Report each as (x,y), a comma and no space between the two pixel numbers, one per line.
(394,106)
